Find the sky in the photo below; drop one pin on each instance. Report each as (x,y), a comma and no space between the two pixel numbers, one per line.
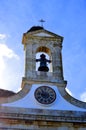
(63,17)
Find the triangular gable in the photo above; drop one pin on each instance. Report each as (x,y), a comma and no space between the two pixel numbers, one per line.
(43,33)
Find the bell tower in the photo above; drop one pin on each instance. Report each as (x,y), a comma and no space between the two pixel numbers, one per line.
(45,48)
(39,41)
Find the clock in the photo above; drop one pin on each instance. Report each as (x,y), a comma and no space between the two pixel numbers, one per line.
(45,95)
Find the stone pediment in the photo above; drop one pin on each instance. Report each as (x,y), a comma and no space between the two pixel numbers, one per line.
(43,34)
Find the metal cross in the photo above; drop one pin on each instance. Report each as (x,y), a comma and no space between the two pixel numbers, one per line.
(41,21)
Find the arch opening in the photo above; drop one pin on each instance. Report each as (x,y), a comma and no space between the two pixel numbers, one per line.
(43,64)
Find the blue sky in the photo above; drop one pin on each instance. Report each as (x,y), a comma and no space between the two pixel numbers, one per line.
(64,17)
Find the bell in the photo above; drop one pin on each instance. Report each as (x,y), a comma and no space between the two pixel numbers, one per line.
(43,63)
(43,68)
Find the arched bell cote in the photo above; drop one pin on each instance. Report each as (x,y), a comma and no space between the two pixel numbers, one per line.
(43,55)
(40,41)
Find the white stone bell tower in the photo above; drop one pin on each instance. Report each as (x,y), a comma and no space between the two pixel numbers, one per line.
(39,40)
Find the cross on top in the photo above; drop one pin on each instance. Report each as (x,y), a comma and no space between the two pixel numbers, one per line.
(41,21)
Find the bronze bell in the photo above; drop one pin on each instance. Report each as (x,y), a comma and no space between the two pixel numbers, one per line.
(43,63)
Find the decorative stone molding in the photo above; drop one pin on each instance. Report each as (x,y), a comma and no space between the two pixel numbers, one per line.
(40,114)
(71,99)
(16,96)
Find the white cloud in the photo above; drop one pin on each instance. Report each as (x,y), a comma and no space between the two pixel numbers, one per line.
(83,96)
(7,52)
(9,63)
(2,36)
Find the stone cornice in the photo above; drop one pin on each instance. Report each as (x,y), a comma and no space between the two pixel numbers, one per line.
(42,115)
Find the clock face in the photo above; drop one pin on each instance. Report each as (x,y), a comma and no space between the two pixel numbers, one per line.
(45,95)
